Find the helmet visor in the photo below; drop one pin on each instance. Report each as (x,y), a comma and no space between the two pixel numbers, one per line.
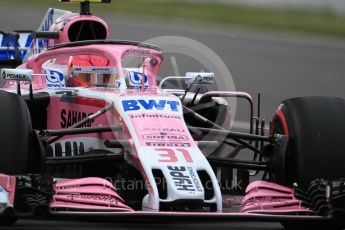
(100,76)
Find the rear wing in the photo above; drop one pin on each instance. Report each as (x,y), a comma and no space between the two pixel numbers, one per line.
(13,47)
(39,42)
(18,46)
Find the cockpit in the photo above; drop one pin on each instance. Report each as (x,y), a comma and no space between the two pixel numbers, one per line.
(121,66)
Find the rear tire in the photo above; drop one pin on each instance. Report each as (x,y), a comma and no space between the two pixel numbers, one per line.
(8,217)
(15,134)
(315,127)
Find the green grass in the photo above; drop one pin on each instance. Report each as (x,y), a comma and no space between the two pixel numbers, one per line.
(325,23)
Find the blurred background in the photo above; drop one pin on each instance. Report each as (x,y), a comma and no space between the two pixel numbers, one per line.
(279,48)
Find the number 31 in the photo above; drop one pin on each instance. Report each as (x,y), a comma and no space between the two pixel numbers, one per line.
(170,156)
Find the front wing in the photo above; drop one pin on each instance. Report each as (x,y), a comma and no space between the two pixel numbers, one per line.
(322,204)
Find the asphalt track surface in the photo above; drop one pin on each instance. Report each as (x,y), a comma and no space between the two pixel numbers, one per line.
(278,66)
(59,225)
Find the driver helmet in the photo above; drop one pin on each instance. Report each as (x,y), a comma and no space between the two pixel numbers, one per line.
(91,71)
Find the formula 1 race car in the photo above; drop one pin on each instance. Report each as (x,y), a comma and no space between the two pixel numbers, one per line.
(88,130)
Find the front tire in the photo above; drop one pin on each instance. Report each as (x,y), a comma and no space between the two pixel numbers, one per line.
(315,127)
(15,134)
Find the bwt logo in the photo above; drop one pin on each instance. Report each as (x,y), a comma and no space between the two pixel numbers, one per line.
(134,105)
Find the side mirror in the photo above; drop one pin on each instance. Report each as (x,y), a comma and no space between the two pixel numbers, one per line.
(192,78)
(17,74)
(199,78)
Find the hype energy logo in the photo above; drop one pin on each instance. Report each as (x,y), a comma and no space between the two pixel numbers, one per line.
(151,105)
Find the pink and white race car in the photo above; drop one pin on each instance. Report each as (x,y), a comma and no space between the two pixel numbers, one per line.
(88,131)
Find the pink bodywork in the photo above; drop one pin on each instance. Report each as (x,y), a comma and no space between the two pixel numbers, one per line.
(63,24)
(96,194)
(9,184)
(87,194)
(172,127)
(266,197)
(113,53)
